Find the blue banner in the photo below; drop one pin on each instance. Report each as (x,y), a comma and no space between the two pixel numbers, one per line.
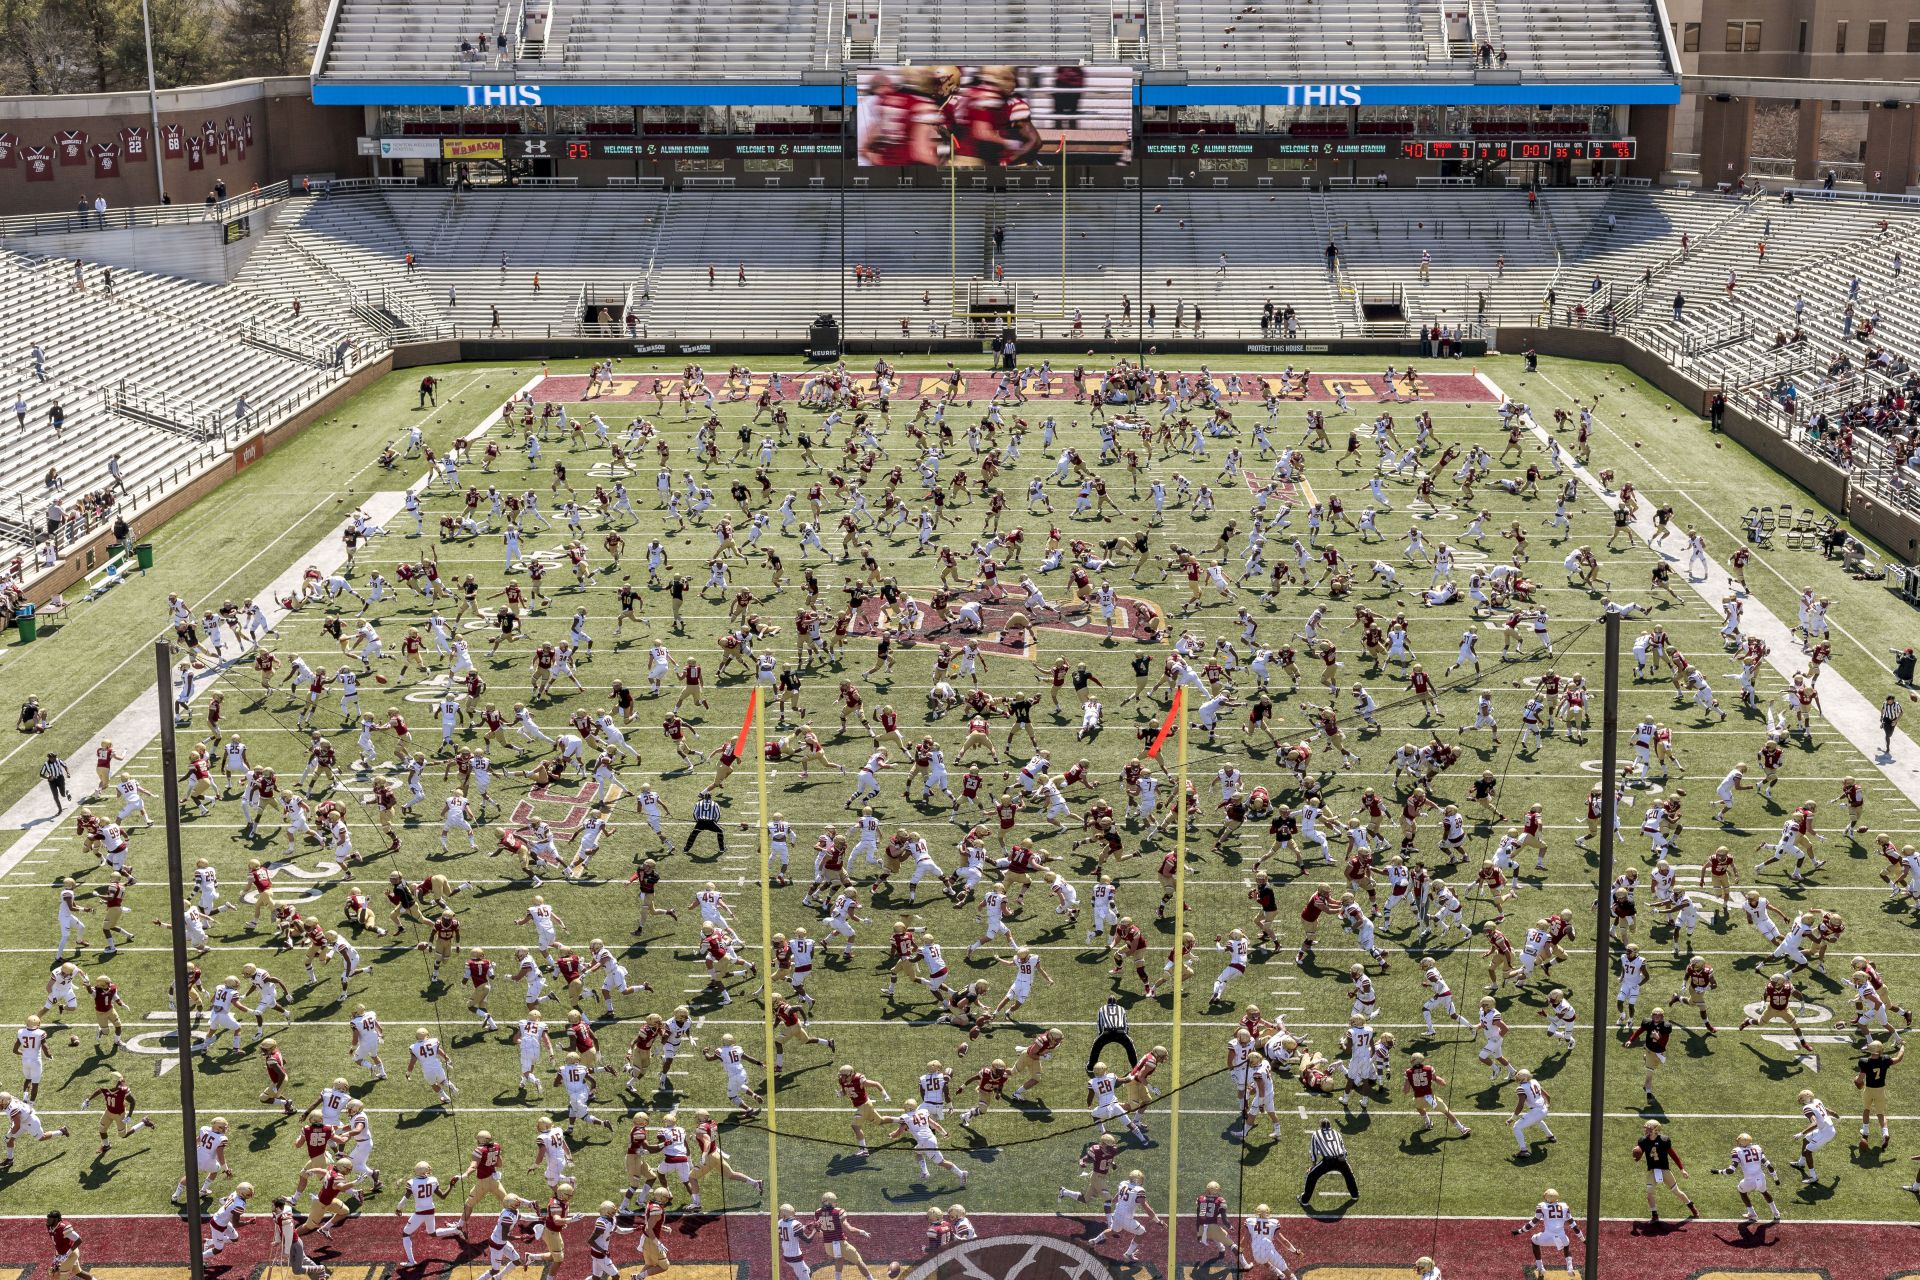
(1456,93)
(660,94)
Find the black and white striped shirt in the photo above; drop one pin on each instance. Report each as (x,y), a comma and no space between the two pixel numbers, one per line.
(706,811)
(54,769)
(1112,1017)
(1327,1144)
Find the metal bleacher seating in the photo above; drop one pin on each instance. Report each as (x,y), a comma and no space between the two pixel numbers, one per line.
(785,39)
(422,37)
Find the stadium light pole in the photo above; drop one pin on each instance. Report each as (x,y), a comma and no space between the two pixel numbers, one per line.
(1139,225)
(176,911)
(1603,928)
(160,178)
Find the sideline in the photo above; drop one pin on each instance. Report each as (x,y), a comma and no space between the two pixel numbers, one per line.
(1842,706)
(138,724)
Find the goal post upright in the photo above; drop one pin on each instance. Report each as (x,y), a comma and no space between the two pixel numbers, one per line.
(1181,817)
(757,715)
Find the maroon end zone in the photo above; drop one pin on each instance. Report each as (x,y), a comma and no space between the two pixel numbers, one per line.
(1458,388)
(1134,622)
(1352,1248)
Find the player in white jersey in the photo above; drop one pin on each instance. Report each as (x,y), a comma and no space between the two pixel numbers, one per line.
(1751,1166)
(575,1079)
(502,1257)
(419,1200)
(223,1225)
(1551,1224)
(1817,1133)
(427,1054)
(30,1046)
(1265,1242)
(1104,1102)
(220,1016)
(793,1234)
(1561,1018)
(1236,947)
(1124,1218)
(552,1154)
(1530,1103)
(1440,999)
(210,1151)
(734,1061)
(919,1124)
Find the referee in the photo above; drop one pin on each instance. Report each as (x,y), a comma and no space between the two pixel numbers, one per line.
(55,772)
(706,817)
(1328,1151)
(1111,1023)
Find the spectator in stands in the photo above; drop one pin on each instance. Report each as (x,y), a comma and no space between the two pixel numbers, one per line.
(106,281)
(80,214)
(56,516)
(1501,57)
(56,419)
(39,355)
(53,480)
(119,482)
(100,210)
(20,409)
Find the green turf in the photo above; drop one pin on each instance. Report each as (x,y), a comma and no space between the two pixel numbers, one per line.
(1708,1094)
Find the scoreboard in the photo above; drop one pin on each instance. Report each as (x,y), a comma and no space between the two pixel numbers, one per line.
(1496,150)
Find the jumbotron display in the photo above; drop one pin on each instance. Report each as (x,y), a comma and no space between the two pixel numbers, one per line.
(995,116)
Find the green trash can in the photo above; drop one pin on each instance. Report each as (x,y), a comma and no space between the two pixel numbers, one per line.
(29,624)
(143,556)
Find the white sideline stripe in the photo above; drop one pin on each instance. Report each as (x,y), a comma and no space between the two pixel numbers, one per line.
(138,725)
(1842,705)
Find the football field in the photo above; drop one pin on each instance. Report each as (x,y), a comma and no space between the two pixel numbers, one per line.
(1023,1151)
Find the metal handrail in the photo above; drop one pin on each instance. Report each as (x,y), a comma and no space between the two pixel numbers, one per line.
(146,215)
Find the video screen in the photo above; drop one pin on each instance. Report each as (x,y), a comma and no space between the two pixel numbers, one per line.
(995,117)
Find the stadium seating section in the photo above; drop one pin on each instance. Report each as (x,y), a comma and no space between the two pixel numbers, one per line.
(332,269)
(775,40)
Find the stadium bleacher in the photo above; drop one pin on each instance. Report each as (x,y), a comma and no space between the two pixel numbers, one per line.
(371,38)
(775,40)
(114,367)
(913,263)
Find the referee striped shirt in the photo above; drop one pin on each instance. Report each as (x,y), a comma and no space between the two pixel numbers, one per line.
(706,811)
(1327,1144)
(54,770)
(1112,1017)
